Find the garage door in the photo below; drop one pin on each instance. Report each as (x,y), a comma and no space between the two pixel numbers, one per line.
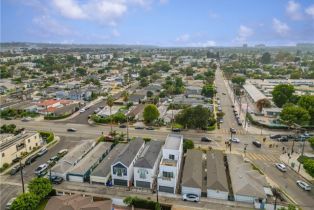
(142,184)
(120,182)
(166,189)
(75,178)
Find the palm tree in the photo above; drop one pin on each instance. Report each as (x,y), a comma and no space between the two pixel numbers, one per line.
(263,103)
(110,101)
(125,96)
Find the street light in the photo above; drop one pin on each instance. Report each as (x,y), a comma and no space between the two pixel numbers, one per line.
(22,178)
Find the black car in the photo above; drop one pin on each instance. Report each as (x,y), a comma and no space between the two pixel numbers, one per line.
(31,159)
(17,159)
(71,130)
(275,136)
(16,169)
(139,127)
(122,126)
(176,130)
(206,139)
(283,138)
(257,144)
(56,179)
(150,128)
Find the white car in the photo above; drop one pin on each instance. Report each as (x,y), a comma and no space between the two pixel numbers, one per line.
(82,110)
(41,168)
(304,185)
(190,197)
(282,167)
(9,203)
(235,140)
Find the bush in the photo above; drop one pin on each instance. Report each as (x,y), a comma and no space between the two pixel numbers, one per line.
(187,144)
(212,127)
(139,202)
(51,117)
(147,139)
(48,136)
(25,201)
(40,187)
(5,166)
(311,140)
(308,165)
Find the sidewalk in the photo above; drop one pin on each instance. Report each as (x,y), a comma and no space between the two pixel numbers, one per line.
(294,160)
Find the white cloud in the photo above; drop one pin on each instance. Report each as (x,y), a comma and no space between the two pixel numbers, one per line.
(280,27)
(213,15)
(49,26)
(208,43)
(293,9)
(310,10)
(70,9)
(244,33)
(183,38)
(115,33)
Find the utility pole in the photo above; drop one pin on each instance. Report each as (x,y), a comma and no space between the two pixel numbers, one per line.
(230,142)
(301,154)
(127,128)
(22,178)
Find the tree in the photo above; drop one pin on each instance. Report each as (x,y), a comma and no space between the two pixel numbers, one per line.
(208,90)
(263,103)
(307,102)
(238,80)
(81,71)
(266,58)
(292,114)
(282,94)
(7,128)
(110,102)
(187,144)
(144,82)
(296,74)
(125,96)
(40,187)
(25,201)
(149,94)
(194,117)
(150,113)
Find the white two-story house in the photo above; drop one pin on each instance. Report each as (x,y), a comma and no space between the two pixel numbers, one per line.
(146,167)
(170,163)
(122,167)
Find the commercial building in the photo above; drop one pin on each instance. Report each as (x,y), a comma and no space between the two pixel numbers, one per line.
(68,162)
(169,167)
(13,146)
(192,173)
(146,166)
(217,185)
(122,167)
(102,172)
(254,94)
(83,169)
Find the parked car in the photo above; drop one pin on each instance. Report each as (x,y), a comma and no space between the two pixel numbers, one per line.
(62,152)
(223,93)
(176,130)
(283,138)
(51,163)
(71,130)
(239,122)
(31,159)
(305,186)
(139,127)
(150,128)
(56,179)
(190,197)
(232,106)
(55,158)
(221,120)
(16,169)
(233,130)
(257,144)
(282,167)
(275,136)
(82,110)
(97,110)
(9,203)
(206,139)
(17,159)
(235,140)
(41,168)
(122,126)
(42,151)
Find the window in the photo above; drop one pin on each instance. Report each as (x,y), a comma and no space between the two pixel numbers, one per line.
(166,174)
(143,173)
(3,154)
(119,171)
(171,157)
(30,148)
(36,144)
(29,140)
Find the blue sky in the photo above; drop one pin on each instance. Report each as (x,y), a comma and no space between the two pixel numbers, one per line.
(197,23)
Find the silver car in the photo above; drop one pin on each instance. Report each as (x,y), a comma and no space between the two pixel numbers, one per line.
(191,197)
(305,186)
(282,167)
(40,169)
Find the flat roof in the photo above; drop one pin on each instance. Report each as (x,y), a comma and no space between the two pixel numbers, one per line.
(149,155)
(216,173)
(104,168)
(173,141)
(91,158)
(9,140)
(254,93)
(192,173)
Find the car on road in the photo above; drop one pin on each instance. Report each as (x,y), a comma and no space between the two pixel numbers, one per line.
(122,126)
(232,106)
(257,144)
(31,159)
(9,203)
(139,127)
(235,140)
(223,93)
(82,110)
(56,179)
(26,119)
(176,130)
(205,139)
(42,151)
(275,136)
(16,169)
(282,167)
(41,169)
(71,130)
(190,197)
(62,152)
(233,130)
(283,138)
(150,128)
(97,110)
(305,186)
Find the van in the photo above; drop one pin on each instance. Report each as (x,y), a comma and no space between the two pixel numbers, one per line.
(31,159)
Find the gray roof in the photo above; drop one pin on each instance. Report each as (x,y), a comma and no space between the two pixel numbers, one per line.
(9,140)
(245,180)
(216,174)
(149,155)
(173,141)
(91,158)
(192,173)
(254,93)
(129,153)
(104,168)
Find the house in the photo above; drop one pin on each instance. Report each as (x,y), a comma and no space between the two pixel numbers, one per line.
(77,202)
(102,172)
(13,146)
(105,112)
(192,173)
(271,112)
(68,162)
(146,166)
(169,166)
(122,167)
(83,169)
(217,185)
(192,90)
(247,184)
(137,98)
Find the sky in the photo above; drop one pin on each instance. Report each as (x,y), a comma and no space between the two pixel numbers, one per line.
(185,23)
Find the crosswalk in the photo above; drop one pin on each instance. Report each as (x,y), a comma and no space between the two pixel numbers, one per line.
(227,131)
(264,157)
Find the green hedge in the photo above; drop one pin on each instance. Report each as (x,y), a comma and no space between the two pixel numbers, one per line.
(212,127)
(48,136)
(50,117)
(116,118)
(308,164)
(144,204)
(311,140)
